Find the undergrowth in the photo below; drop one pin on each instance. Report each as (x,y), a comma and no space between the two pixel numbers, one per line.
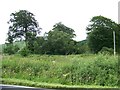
(99,69)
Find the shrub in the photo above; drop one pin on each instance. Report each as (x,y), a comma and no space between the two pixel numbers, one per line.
(99,70)
(24,51)
(11,49)
(106,50)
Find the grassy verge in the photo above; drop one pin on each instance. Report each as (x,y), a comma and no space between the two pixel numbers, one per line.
(47,85)
(71,70)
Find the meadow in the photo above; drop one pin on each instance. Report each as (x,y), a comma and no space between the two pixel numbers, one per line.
(71,70)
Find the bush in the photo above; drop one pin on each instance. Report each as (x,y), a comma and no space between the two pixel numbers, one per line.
(106,50)
(24,51)
(99,70)
(11,49)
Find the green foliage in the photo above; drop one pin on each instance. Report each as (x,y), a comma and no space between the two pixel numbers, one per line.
(61,27)
(1,48)
(10,49)
(30,45)
(51,85)
(99,70)
(40,45)
(100,33)
(108,70)
(22,26)
(24,51)
(82,47)
(57,41)
(20,44)
(106,50)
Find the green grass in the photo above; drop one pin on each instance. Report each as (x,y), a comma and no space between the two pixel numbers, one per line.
(46,85)
(70,70)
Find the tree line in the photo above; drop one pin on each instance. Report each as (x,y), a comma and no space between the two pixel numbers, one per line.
(59,40)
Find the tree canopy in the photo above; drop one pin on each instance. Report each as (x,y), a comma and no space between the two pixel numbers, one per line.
(100,33)
(59,40)
(23,26)
(61,27)
(56,41)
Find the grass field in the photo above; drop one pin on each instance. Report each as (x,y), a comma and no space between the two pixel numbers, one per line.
(68,70)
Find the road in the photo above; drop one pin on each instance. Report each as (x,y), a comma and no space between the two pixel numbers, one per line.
(15,87)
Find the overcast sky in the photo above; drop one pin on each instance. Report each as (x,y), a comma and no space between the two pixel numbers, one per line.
(75,14)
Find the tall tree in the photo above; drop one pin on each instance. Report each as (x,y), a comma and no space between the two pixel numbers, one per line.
(61,27)
(23,26)
(59,42)
(100,33)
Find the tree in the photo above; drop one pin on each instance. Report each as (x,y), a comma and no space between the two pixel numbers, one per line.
(61,27)
(59,42)
(82,47)
(38,46)
(56,41)
(23,26)
(100,33)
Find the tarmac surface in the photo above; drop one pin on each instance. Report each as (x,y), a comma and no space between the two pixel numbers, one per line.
(16,87)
